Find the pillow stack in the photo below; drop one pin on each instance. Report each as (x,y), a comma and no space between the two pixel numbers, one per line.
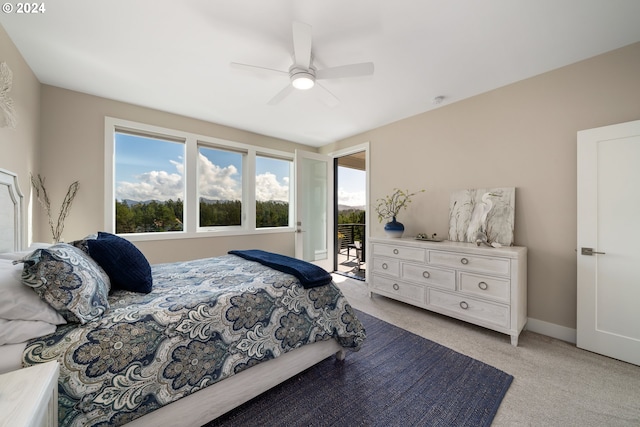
(71,283)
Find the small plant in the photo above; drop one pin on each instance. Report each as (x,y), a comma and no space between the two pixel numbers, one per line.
(340,235)
(43,198)
(390,206)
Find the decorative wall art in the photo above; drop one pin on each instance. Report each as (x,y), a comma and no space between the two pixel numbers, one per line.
(7,112)
(483,216)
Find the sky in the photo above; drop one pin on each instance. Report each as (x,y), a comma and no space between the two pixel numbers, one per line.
(351,187)
(141,177)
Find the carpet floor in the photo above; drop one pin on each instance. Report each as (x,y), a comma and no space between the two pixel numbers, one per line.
(396,379)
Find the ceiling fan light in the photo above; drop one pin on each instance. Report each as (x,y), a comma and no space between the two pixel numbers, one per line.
(303,81)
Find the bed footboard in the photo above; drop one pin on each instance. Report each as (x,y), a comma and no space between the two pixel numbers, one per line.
(209,403)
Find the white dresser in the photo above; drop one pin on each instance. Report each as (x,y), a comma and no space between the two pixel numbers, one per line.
(29,396)
(481,285)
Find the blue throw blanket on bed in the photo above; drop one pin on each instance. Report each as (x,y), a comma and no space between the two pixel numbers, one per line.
(310,275)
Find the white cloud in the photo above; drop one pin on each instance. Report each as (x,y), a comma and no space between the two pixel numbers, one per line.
(215,183)
(347,198)
(268,188)
(218,183)
(154,185)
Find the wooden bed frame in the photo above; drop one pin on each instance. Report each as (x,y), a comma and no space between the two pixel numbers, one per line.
(209,403)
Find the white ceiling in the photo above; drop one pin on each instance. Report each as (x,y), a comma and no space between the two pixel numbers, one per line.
(174,55)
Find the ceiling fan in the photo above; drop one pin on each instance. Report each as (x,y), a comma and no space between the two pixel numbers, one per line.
(303,75)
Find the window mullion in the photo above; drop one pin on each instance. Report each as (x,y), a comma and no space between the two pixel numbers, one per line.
(249,190)
(109,184)
(192,198)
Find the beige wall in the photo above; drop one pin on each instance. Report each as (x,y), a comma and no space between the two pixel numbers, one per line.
(72,149)
(522,135)
(18,147)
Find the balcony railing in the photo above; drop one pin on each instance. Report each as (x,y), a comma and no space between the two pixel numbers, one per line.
(348,234)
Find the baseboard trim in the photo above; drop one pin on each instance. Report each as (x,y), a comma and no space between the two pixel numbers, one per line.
(551,330)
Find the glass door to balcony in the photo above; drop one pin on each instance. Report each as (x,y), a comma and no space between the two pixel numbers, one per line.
(314,208)
(351,214)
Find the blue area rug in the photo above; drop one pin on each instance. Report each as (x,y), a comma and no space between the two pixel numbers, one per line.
(396,379)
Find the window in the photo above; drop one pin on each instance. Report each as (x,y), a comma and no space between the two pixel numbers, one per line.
(273,192)
(149,186)
(167,183)
(220,187)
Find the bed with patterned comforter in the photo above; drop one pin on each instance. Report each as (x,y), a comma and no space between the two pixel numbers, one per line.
(204,321)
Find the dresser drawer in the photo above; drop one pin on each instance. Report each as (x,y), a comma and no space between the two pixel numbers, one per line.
(488,287)
(399,289)
(499,266)
(429,275)
(470,308)
(401,252)
(387,266)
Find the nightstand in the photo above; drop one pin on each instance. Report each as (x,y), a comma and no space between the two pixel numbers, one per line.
(29,396)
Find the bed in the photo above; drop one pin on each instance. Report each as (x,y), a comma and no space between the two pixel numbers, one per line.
(204,337)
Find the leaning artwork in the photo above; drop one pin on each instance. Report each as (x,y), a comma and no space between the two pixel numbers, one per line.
(483,216)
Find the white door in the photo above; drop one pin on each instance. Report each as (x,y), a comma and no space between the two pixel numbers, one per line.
(608,308)
(314,208)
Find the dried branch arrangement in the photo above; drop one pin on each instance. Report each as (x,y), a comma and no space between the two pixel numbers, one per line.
(390,206)
(43,198)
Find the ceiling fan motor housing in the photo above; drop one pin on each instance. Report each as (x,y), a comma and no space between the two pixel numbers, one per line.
(301,78)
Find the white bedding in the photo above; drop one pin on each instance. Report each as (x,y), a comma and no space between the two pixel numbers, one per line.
(23,315)
(11,357)
(20,302)
(21,254)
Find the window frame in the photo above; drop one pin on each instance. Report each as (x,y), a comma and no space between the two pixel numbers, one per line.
(244,187)
(191,209)
(292,210)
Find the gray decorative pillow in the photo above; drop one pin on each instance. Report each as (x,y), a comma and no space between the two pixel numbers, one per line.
(69,280)
(83,243)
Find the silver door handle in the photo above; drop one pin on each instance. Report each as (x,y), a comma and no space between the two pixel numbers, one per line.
(590,252)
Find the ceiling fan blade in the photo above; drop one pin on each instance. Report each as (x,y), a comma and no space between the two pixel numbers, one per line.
(326,96)
(281,95)
(257,68)
(302,45)
(352,70)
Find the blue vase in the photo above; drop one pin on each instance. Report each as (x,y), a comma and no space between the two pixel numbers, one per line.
(394,228)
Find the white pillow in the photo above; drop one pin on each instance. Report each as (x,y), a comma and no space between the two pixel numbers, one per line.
(21,254)
(14,255)
(20,302)
(17,331)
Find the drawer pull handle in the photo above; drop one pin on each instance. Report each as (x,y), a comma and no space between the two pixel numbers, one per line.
(384,266)
(483,286)
(396,287)
(464,261)
(426,274)
(464,305)
(396,252)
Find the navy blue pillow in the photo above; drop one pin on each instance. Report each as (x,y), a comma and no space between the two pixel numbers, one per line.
(125,265)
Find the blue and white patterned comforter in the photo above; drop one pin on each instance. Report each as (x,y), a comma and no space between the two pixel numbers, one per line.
(204,321)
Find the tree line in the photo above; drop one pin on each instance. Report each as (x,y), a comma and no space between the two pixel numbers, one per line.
(158,216)
(352,216)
